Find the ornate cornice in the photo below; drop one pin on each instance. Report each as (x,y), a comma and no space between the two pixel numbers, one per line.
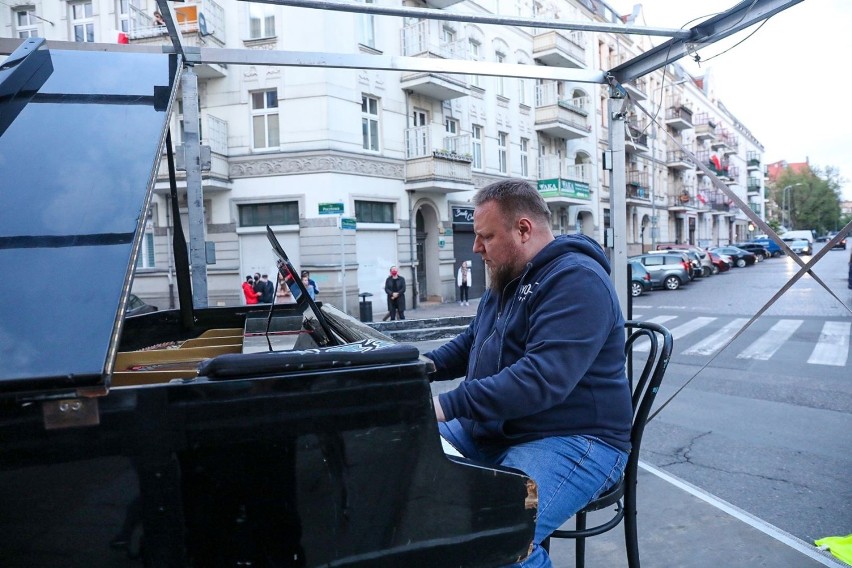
(282,165)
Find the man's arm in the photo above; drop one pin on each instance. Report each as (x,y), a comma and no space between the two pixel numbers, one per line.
(571,318)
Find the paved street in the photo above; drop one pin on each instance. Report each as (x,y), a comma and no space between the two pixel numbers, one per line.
(766,424)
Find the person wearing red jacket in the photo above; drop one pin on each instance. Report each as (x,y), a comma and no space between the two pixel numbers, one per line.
(248,291)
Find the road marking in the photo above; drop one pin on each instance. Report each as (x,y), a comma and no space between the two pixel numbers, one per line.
(833,345)
(677,332)
(714,342)
(757,523)
(768,343)
(661,319)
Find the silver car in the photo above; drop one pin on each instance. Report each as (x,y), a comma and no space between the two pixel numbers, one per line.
(669,270)
(800,246)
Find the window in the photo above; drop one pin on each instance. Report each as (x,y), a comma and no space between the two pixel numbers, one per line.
(146,255)
(501,85)
(261,21)
(452,126)
(262,214)
(525,164)
(475,55)
(522,91)
(26,23)
(370,123)
(502,152)
(476,142)
(367,27)
(374,212)
(264,119)
(82,22)
(122,12)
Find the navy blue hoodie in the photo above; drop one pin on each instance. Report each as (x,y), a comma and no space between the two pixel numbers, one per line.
(547,358)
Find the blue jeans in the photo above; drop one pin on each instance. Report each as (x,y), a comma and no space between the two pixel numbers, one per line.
(570,471)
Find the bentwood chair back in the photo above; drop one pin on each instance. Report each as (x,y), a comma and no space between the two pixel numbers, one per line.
(623,494)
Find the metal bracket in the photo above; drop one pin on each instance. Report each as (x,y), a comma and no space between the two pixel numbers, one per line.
(70,413)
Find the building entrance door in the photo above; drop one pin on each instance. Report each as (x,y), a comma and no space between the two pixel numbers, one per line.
(421,234)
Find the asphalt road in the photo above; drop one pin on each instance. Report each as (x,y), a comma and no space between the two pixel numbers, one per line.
(765,422)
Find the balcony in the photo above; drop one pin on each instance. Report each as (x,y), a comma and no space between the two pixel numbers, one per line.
(732,143)
(705,127)
(417,42)
(638,88)
(678,160)
(202,24)
(217,177)
(560,49)
(635,138)
(678,116)
(753,161)
(561,118)
(441,4)
(638,189)
(753,186)
(558,180)
(436,170)
(732,173)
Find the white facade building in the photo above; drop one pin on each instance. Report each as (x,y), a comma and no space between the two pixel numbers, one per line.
(404,152)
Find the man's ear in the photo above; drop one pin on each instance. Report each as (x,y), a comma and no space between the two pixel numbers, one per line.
(525,229)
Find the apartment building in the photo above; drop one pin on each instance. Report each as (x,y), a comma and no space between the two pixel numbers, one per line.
(298,148)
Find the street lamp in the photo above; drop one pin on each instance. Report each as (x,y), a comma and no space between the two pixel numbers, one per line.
(787,202)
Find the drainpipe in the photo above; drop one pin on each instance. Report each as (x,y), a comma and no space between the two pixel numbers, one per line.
(411,245)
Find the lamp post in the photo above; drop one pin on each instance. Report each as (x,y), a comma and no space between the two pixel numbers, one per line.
(787,202)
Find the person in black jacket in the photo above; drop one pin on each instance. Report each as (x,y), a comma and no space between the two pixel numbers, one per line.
(395,289)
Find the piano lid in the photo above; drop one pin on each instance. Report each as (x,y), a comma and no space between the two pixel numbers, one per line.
(78,159)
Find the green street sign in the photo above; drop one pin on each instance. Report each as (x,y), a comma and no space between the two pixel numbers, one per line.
(331,209)
(348,223)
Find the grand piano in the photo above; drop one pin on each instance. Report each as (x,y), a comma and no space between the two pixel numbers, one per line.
(290,435)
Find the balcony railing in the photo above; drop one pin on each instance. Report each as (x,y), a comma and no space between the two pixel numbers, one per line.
(705,127)
(560,48)
(417,41)
(443,170)
(561,117)
(551,166)
(753,185)
(678,116)
(753,160)
(206,18)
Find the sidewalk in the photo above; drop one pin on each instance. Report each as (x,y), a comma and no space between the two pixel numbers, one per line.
(680,525)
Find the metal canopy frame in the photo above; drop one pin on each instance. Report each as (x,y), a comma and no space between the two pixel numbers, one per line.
(741,16)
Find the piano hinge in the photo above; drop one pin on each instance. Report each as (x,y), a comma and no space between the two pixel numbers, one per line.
(70,413)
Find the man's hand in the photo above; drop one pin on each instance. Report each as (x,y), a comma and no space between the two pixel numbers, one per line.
(439,412)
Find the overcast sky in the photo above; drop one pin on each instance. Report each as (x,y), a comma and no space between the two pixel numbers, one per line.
(789,83)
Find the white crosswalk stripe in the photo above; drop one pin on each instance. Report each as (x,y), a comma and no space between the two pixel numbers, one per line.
(678,332)
(833,345)
(768,343)
(714,342)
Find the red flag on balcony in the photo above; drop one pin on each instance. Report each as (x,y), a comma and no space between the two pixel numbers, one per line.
(122,37)
(702,198)
(716,162)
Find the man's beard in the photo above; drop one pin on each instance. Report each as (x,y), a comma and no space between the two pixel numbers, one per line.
(502,274)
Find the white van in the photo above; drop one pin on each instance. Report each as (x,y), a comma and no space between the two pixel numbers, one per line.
(797,235)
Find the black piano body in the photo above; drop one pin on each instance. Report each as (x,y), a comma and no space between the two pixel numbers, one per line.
(157,440)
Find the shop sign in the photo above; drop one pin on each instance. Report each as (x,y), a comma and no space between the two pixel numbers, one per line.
(563,188)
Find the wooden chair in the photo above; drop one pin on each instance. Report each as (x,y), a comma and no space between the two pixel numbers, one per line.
(623,494)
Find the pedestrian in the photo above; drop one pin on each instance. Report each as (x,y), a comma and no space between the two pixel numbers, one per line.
(267,290)
(248,290)
(312,293)
(158,19)
(311,281)
(463,281)
(395,289)
(545,388)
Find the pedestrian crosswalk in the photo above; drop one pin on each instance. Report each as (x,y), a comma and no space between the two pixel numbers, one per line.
(705,336)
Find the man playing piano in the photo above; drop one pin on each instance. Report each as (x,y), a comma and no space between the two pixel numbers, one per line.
(545,388)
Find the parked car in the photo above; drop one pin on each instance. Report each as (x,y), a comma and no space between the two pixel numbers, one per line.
(136,306)
(693,262)
(640,278)
(721,262)
(739,256)
(759,250)
(770,245)
(668,270)
(706,263)
(800,246)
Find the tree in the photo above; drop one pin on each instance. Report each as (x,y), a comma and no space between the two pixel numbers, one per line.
(812,198)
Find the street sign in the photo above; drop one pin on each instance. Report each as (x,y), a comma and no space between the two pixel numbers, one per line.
(331,208)
(347,223)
